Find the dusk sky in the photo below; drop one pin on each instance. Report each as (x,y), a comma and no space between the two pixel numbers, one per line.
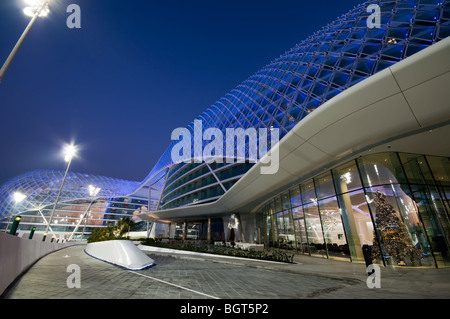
(134,72)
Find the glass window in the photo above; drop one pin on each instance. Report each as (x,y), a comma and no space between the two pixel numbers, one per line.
(333,229)
(285,233)
(280,227)
(285,201)
(277,203)
(435,221)
(416,169)
(346,178)
(300,230)
(308,192)
(380,169)
(402,237)
(314,230)
(324,185)
(390,208)
(358,225)
(440,167)
(432,201)
(296,199)
(271,209)
(274,227)
(269,228)
(297,212)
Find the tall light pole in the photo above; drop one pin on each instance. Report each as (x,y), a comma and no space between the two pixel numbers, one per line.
(18,197)
(93,192)
(70,152)
(38,8)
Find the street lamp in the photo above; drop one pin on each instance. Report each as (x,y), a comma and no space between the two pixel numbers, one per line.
(69,154)
(93,192)
(36,8)
(18,197)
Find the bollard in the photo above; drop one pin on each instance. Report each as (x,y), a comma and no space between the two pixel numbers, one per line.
(32,233)
(15,225)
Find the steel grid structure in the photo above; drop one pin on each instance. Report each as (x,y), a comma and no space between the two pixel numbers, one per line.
(39,189)
(280,95)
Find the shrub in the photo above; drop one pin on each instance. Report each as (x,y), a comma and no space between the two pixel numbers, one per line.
(112,232)
(266,254)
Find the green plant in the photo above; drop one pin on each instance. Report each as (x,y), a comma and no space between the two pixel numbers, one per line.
(125,225)
(112,232)
(266,254)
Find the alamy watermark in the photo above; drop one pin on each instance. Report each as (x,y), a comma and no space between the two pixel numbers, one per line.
(374,20)
(235,141)
(74,279)
(374,276)
(74,19)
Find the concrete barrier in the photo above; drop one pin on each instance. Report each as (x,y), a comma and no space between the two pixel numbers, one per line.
(18,254)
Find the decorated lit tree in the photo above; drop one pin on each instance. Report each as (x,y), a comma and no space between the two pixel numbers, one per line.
(395,240)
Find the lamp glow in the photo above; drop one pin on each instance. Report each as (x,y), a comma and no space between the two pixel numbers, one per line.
(347,178)
(70,152)
(39,7)
(93,191)
(19,197)
(34,3)
(31,11)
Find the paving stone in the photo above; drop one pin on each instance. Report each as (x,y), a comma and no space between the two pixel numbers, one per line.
(181,277)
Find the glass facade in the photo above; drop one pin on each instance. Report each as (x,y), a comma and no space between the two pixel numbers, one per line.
(292,86)
(40,190)
(204,230)
(389,208)
(193,183)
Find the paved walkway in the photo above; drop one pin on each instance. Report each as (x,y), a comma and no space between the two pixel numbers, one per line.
(179,276)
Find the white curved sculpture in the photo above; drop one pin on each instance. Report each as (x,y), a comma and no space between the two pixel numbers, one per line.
(122,253)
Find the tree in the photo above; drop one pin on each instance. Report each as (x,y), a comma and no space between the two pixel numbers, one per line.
(125,225)
(113,232)
(395,241)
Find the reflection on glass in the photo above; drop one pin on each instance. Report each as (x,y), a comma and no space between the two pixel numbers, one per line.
(346,178)
(324,185)
(379,169)
(297,212)
(432,200)
(308,192)
(302,240)
(389,208)
(435,223)
(300,230)
(296,199)
(358,225)
(277,203)
(269,230)
(271,209)
(333,229)
(440,168)
(285,201)
(416,169)
(286,237)
(314,230)
(402,238)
